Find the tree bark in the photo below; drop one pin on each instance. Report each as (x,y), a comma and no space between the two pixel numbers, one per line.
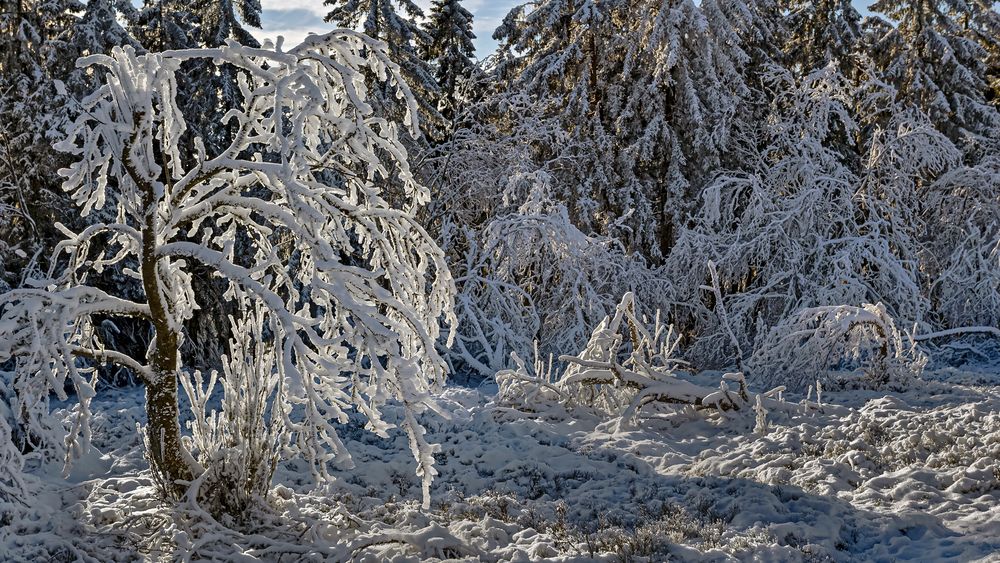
(169,460)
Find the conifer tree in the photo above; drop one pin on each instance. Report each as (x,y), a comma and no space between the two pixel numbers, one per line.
(821,32)
(211,91)
(646,91)
(930,58)
(34,105)
(161,25)
(450,47)
(98,30)
(398,28)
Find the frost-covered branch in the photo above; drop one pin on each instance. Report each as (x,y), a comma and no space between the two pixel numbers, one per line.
(294,215)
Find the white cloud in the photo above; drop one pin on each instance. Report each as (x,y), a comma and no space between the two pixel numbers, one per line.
(315,6)
(296,19)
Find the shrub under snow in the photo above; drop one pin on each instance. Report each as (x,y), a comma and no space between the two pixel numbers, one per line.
(841,345)
(625,366)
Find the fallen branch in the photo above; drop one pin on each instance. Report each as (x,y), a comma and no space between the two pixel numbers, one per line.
(993,331)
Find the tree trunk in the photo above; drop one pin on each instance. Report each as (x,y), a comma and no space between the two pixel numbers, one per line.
(168,459)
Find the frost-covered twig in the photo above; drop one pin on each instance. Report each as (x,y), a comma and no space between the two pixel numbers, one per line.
(293,215)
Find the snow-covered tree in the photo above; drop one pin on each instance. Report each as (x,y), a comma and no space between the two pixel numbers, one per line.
(963,233)
(221,20)
(937,67)
(36,51)
(98,30)
(766,228)
(12,484)
(165,24)
(835,212)
(211,90)
(646,93)
(450,48)
(396,23)
(531,275)
(821,32)
(291,215)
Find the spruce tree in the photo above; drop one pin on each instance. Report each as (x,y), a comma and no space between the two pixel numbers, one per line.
(398,27)
(930,58)
(162,25)
(450,48)
(98,30)
(211,91)
(821,32)
(34,106)
(646,92)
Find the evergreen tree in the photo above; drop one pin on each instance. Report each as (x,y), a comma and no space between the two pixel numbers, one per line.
(161,25)
(930,58)
(399,29)
(210,90)
(97,31)
(219,20)
(984,29)
(646,91)
(821,32)
(748,36)
(34,106)
(450,47)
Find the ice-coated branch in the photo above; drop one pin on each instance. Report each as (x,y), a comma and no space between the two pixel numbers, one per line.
(292,214)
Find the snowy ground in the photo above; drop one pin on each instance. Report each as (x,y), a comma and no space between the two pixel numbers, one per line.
(866,477)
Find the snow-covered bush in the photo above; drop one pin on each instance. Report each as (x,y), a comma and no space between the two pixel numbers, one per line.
(626,365)
(964,221)
(12,486)
(771,230)
(533,276)
(291,215)
(841,346)
(835,210)
(240,445)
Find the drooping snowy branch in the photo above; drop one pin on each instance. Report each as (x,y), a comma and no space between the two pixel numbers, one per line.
(292,214)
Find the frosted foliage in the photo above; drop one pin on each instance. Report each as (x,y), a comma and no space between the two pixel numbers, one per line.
(772,231)
(822,31)
(849,346)
(556,293)
(627,364)
(450,44)
(351,287)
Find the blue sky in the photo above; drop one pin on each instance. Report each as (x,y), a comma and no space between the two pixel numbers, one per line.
(294,19)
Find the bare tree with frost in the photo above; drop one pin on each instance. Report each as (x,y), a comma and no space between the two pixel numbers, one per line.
(349,288)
